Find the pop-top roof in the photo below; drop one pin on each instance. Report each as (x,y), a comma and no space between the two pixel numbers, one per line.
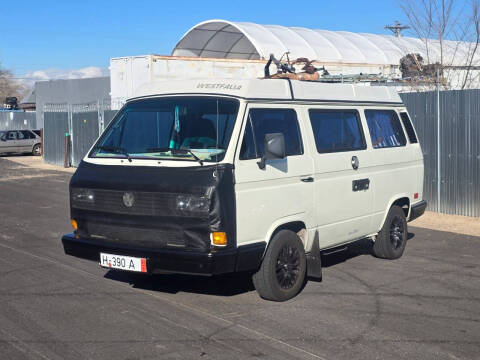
(245,40)
(273,89)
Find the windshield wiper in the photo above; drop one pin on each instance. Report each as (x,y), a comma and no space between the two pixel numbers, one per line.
(177,152)
(116,149)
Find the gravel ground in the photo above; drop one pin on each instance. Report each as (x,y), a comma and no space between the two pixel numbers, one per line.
(52,306)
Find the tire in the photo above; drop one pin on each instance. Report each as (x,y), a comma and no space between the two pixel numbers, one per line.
(37,150)
(392,239)
(282,273)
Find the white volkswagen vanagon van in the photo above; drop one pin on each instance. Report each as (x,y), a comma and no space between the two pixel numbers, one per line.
(203,177)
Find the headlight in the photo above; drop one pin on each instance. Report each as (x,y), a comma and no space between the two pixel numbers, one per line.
(192,203)
(80,195)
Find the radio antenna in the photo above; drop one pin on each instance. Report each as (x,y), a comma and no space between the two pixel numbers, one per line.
(216,143)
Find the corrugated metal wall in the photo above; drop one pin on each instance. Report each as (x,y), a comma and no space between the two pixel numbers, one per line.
(17,120)
(55,126)
(83,122)
(69,91)
(459,148)
(459,140)
(85,130)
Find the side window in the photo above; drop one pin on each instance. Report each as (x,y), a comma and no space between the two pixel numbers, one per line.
(267,121)
(20,135)
(385,129)
(409,128)
(337,130)
(12,135)
(28,134)
(248,149)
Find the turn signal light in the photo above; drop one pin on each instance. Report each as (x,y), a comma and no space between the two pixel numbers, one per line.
(218,238)
(74,225)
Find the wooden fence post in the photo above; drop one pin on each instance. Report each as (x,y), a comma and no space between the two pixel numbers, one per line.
(67,151)
(41,140)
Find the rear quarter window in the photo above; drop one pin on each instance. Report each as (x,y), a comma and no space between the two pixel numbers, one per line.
(407,124)
(385,129)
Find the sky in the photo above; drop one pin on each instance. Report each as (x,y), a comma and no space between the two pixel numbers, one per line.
(65,39)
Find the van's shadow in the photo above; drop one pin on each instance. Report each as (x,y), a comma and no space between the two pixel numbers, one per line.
(358,248)
(220,285)
(224,285)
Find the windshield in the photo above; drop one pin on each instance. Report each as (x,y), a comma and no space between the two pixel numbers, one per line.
(185,128)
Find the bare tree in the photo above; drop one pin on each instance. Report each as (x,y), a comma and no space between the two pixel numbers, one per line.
(436,23)
(10,86)
(475,24)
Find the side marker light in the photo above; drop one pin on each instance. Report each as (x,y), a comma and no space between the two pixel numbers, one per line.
(218,238)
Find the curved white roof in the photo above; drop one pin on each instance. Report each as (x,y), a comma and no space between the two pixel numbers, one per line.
(244,40)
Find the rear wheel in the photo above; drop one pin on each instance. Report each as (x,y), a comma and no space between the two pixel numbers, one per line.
(282,273)
(37,150)
(392,239)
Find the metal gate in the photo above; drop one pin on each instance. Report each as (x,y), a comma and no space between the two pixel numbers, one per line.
(85,128)
(83,122)
(55,128)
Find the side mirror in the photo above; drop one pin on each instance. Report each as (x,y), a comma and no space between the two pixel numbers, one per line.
(274,148)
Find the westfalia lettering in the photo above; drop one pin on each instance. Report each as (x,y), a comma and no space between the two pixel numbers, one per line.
(219,86)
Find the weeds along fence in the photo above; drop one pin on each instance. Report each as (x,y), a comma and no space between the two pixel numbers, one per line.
(448,126)
(452,165)
(82,123)
(17,120)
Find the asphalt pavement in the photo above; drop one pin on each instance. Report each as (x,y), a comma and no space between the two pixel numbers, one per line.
(425,305)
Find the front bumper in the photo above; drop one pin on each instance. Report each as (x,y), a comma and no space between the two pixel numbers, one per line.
(417,210)
(172,261)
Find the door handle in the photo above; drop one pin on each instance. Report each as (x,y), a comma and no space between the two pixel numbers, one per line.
(361,184)
(355,163)
(307,179)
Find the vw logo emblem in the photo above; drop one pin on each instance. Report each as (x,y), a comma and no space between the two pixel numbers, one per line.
(128,199)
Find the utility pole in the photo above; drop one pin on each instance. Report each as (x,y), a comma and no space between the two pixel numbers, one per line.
(397,28)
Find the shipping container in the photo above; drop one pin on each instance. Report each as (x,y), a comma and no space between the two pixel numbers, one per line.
(128,73)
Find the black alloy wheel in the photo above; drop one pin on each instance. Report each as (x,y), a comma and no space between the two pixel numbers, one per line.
(391,240)
(282,273)
(396,232)
(288,267)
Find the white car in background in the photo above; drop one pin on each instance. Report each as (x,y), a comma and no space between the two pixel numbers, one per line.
(20,141)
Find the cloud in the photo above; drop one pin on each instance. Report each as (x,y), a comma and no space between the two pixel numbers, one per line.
(52,74)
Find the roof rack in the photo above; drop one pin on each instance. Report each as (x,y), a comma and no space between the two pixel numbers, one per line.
(354,78)
(286,70)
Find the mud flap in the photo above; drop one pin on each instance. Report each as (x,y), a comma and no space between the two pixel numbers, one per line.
(314,261)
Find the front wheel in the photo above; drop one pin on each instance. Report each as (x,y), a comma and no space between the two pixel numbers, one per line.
(282,273)
(37,150)
(392,239)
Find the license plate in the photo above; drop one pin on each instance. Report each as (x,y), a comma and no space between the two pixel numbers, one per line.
(123,262)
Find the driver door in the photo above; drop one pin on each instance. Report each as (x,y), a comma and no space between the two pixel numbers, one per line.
(281,192)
